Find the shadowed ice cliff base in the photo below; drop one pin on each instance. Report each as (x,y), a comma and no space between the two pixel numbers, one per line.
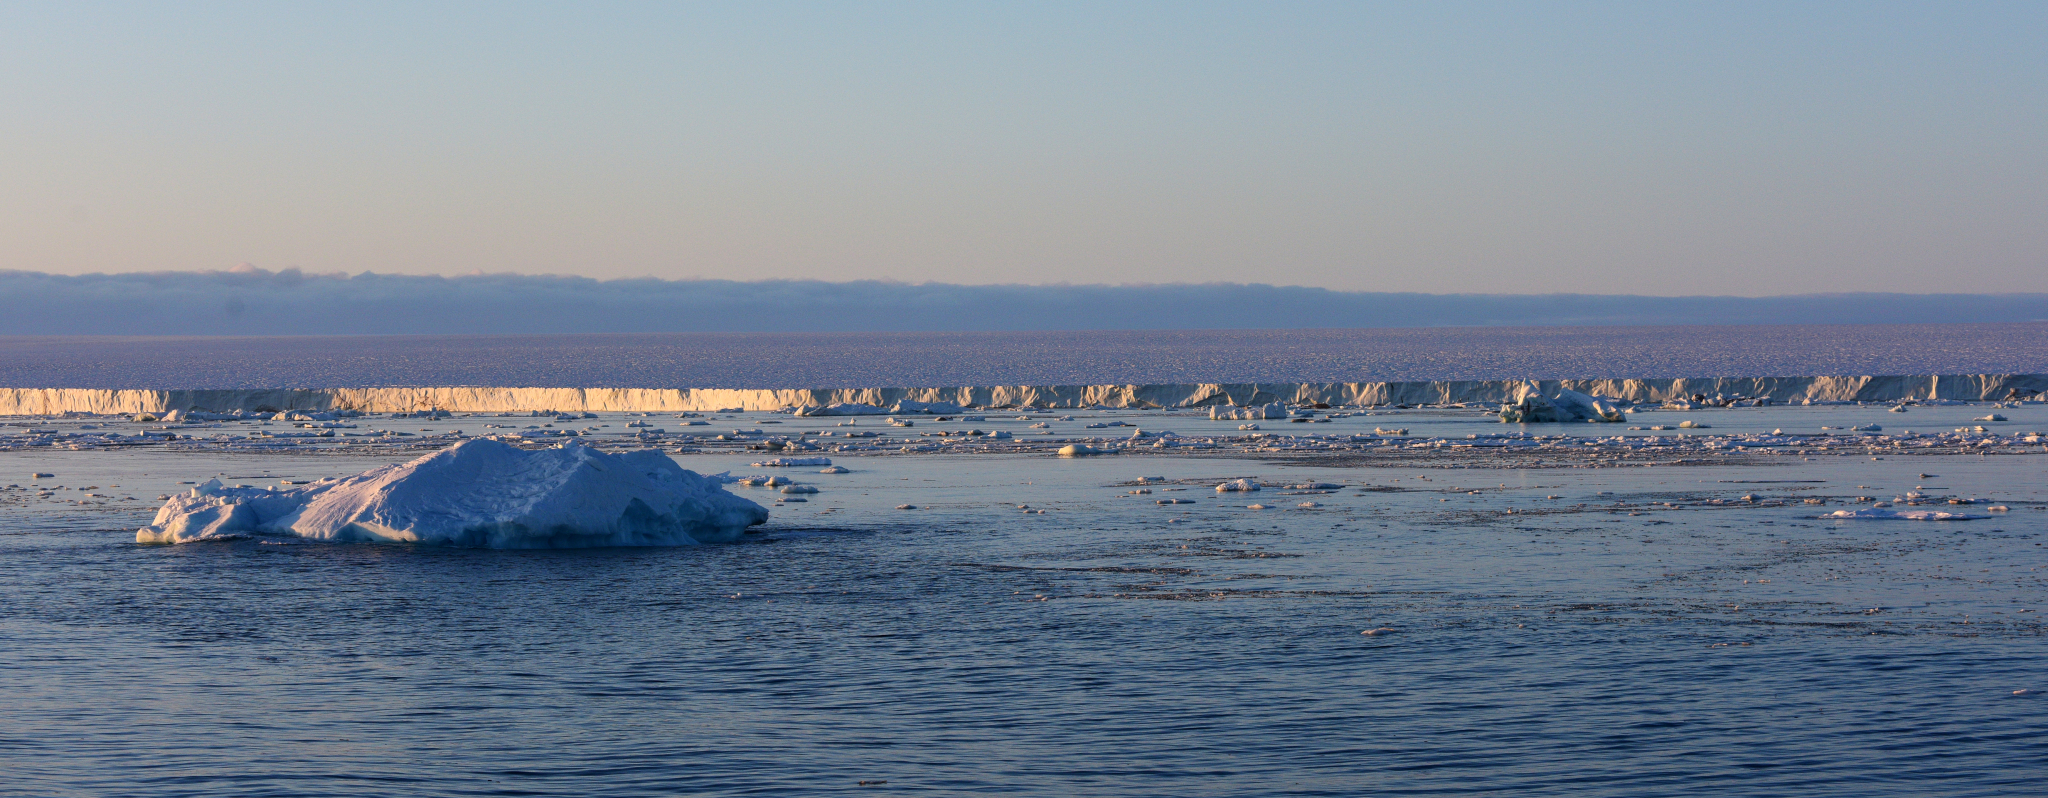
(1960,387)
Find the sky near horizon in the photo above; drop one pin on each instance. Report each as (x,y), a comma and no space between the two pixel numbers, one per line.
(1665,149)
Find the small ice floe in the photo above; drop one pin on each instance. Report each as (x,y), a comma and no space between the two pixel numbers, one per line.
(1389,430)
(1689,424)
(1867,428)
(906,507)
(796,489)
(481,492)
(833,470)
(2025,693)
(1150,480)
(844,409)
(1384,630)
(1898,408)
(1901,515)
(41,475)
(1175,501)
(1308,504)
(1248,427)
(928,408)
(1992,417)
(1316,486)
(1080,450)
(1237,485)
(1255,507)
(789,462)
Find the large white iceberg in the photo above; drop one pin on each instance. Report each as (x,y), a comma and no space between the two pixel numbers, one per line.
(483,493)
(1533,408)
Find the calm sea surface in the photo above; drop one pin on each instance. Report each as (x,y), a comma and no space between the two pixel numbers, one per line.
(1625,632)
(836,360)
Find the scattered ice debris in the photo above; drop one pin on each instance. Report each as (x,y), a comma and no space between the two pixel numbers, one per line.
(791,462)
(481,492)
(1237,485)
(1901,515)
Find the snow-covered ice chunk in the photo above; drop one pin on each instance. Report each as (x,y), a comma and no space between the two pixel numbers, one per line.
(1080,450)
(480,492)
(1902,515)
(789,462)
(1237,485)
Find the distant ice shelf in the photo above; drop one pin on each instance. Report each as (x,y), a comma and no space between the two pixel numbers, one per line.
(857,401)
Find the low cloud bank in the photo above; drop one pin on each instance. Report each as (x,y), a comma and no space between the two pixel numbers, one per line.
(289,302)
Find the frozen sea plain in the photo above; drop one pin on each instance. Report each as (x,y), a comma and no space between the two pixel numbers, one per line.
(1554,609)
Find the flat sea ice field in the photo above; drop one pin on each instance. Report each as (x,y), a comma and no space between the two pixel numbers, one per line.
(1584,610)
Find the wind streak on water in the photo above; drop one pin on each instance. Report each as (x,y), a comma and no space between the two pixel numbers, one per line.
(859,360)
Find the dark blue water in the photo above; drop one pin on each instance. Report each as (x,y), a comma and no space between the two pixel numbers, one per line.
(1096,650)
(859,360)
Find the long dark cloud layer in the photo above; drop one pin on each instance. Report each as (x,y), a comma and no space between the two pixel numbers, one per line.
(258,302)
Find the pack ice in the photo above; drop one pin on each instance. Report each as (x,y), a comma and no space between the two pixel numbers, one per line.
(481,493)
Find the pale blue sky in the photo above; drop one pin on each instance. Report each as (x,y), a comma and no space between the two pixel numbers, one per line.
(1593,148)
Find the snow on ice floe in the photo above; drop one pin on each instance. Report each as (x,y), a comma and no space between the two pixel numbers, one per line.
(788,462)
(1902,515)
(482,493)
